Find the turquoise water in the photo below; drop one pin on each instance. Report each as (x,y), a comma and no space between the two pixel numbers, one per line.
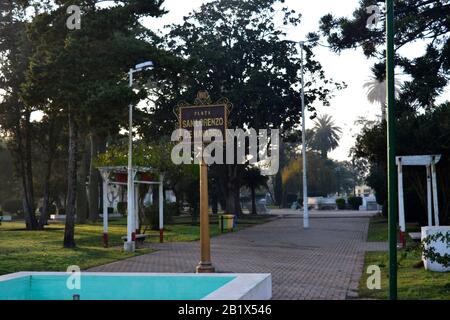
(99,287)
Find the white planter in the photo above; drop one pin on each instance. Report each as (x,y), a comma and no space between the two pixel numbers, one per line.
(439,246)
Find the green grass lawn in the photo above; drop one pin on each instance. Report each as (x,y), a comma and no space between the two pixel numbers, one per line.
(378,230)
(22,250)
(413,282)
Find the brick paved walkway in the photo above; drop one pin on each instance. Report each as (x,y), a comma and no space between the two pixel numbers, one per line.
(324,262)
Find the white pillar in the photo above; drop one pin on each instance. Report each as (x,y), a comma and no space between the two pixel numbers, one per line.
(429,198)
(129,245)
(136,208)
(304,155)
(105,212)
(161,208)
(435,194)
(401,207)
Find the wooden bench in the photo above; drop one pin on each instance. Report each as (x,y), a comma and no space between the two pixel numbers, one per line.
(5,218)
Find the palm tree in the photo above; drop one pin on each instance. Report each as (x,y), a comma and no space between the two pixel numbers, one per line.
(376,92)
(253,179)
(326,135)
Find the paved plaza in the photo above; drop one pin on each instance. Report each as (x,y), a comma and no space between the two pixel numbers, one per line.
(323,262)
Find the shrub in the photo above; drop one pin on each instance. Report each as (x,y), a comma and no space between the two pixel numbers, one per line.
(355,202)
(151,213)
(172,211)
(122,208)
(340,203)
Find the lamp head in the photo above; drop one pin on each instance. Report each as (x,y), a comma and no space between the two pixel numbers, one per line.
(144,65)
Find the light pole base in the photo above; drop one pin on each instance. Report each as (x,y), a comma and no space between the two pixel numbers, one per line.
(205,267)
(129,246)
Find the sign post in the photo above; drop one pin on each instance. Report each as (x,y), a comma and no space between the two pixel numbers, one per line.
(391,144)
(211,116)
(205,265)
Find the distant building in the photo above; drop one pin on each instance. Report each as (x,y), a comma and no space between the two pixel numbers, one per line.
(368,196)
(363,191)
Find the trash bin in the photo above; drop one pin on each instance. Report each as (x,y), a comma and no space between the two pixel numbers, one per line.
(226,222)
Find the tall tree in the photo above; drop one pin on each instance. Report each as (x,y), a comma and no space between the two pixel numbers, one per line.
(376,89)
(426,20)
(82,72)
(325,135)
(234,49)
(253,179)
(15,51)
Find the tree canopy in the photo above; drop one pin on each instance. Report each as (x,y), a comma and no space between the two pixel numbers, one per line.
(427,20)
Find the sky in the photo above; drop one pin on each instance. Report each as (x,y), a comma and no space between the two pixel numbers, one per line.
(351,66)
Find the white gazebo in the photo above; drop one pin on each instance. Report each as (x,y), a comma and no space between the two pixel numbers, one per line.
(141,175)
(429,161)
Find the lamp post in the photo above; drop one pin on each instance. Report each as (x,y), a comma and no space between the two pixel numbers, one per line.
(129,245)
(305,180)
(305,168)
(391,142)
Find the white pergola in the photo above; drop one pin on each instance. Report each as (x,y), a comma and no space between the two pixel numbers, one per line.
(429,161)
(132,227)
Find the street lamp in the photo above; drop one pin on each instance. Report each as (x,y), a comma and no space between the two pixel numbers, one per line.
(129,245)
(305,180)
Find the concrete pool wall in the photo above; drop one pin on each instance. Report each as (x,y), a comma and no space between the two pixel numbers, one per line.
(248,286)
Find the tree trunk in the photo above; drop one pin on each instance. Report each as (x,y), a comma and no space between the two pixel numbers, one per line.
(252,190)
(214,203)
(23,153)
(94,177)
(284,199)
(46,201)
(82,201)
(237,199)
(47,175)
(29,174)
(69,231)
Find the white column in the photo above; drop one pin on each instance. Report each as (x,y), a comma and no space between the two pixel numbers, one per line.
(105,212)
(435,194)
(129,245)
(136,208)
(401,207)
(304,155)
(429,197)
(161,207)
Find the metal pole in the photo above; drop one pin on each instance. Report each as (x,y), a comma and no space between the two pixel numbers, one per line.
(391,141)
(129,245)
(429,197)
(161,208)
(305,186)
(105,213)
(401,204)
(435,193)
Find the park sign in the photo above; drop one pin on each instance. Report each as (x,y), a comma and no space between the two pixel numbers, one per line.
(210,116)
